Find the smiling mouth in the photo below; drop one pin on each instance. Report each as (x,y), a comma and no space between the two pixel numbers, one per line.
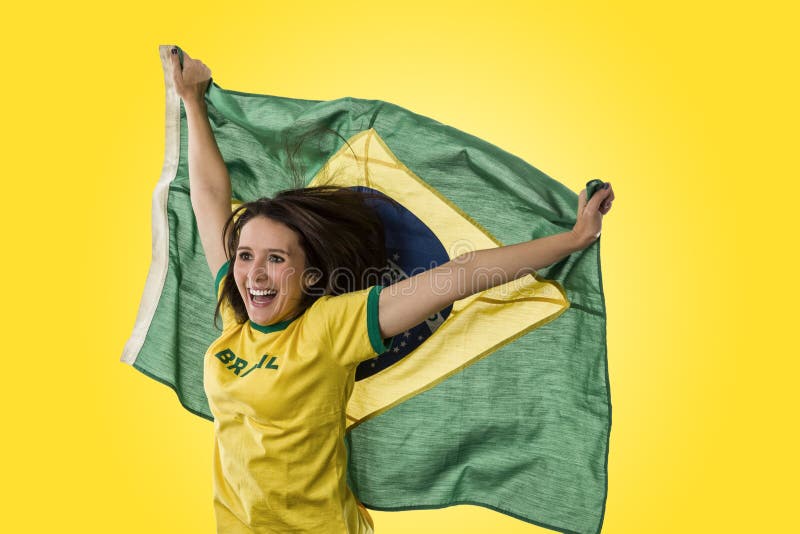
(261,297)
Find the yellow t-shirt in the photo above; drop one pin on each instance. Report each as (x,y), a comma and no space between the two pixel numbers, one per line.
(278,395)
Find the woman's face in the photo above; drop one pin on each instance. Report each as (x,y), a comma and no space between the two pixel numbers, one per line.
(269,261)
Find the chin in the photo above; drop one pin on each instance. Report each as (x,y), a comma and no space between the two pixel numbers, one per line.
(266,318)
(261,319)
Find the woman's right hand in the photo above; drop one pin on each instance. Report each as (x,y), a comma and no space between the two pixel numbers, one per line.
(192,81)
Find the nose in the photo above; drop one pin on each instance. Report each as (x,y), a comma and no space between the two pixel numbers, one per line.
(257,275)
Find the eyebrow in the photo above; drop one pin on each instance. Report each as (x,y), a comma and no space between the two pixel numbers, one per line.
(268,250)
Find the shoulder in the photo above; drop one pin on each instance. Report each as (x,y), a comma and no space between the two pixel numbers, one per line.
(349,324)
(226,311)
(355,301)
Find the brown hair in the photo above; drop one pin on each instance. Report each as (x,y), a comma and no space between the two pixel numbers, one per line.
(341,234)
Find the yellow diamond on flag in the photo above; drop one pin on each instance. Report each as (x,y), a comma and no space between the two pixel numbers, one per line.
(477,325)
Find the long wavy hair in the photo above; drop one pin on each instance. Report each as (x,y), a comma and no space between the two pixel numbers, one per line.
(340,232)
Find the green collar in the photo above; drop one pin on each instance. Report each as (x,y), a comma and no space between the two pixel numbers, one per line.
(277,327)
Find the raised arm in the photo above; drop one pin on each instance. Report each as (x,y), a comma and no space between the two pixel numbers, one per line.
(408,302)
(209,182)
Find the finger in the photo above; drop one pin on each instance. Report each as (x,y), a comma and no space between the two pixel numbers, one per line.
(581,200)
(609,200)
(598,198)
(176,66)
(605,207)
(177,77)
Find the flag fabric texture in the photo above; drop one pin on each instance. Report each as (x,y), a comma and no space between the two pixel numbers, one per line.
(502,400)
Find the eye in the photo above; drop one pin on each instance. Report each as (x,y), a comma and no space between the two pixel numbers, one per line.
(244,256)
(275,259)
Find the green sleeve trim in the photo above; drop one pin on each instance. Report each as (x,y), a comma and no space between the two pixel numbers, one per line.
(220,275)
(379,345)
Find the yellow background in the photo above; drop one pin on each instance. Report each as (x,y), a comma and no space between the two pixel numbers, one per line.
(689,110)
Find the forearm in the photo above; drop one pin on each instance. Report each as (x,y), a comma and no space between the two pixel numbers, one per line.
(408,302)
(484,269)
(207,170)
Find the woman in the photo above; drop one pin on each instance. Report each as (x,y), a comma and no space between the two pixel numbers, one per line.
(302,305)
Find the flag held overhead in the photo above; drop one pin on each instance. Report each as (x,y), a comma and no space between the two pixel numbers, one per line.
(502,400)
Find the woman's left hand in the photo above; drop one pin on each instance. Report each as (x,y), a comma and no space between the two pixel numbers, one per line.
(590,215)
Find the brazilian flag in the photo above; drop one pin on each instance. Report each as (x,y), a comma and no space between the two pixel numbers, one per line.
(501,400)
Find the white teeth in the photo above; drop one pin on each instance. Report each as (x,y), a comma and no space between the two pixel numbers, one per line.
(263,292)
